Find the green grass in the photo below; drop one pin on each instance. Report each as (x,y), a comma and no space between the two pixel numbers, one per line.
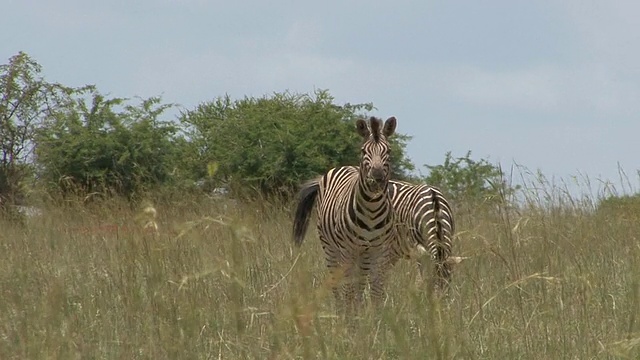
(228,284)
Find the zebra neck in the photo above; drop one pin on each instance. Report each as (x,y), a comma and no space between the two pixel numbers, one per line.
(369,204)
(369,212)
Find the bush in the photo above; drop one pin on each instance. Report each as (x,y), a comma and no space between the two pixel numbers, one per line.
(109,147)
(621,208)
(271,144)
(465,179)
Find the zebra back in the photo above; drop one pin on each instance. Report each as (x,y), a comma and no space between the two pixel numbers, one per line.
(426,219)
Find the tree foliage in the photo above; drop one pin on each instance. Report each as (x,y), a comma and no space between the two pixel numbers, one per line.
(108,146)
(26,103)
(273,143)
(466,179)
(77,140)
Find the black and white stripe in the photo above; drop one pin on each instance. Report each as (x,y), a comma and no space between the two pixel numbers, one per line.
(425,218)
(356,223)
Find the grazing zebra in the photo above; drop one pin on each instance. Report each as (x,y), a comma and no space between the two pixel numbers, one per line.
(356,223)
(426,218)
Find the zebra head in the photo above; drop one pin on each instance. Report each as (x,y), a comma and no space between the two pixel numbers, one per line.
(375,166)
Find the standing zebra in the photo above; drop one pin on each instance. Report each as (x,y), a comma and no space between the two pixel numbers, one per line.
(426,218)
(356,223)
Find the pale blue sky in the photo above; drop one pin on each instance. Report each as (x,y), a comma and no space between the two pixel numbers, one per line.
(551,85)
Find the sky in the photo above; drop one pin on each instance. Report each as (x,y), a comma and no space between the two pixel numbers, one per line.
(553,86)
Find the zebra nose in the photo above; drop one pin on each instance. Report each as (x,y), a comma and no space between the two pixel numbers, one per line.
(377,174)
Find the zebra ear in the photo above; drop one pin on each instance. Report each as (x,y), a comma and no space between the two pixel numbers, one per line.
(389,127)
(363,130)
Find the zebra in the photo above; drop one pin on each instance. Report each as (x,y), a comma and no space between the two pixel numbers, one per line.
(356,222)
(427,221)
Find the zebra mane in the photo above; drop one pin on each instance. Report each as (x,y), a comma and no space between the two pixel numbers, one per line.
(375,128)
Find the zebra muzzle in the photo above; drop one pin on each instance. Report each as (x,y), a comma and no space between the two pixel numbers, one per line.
(375,184)
(376,175)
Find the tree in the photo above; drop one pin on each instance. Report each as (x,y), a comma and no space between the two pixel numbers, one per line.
(272,144)
(27,102)
(108,146)
(465,179)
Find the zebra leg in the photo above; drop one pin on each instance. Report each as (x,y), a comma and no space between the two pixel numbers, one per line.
(355,285)
(377,283)
(337,274)
(442,269)
(347,288)
(354,295)
(421,266)
(442,275)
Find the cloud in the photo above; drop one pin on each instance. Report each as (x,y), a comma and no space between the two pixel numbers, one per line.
(608,31)
(186,77)
(71,15)
(526,89)
(304,35)
(577,89)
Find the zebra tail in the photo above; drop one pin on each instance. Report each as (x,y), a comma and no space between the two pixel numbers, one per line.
(443,267)
(437,213)
(306,200)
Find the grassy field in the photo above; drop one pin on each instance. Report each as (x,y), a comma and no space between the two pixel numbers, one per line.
(216,283)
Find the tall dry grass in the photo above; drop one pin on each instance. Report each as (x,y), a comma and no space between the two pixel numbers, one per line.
(223,280)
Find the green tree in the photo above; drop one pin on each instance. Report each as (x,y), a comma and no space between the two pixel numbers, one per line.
(273,143)
(106,145)
(26,104)
(466,179)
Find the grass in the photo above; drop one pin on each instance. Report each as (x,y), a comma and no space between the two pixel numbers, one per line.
(543,282)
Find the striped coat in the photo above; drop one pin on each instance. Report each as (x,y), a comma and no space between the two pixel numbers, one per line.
(426,222)
(356,222)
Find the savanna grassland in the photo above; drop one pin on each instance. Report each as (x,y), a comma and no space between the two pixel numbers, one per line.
(222,280)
